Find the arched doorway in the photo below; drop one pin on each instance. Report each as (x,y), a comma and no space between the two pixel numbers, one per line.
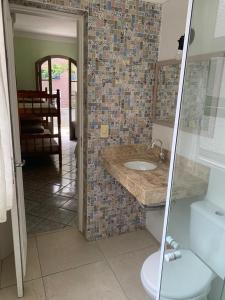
(60,72)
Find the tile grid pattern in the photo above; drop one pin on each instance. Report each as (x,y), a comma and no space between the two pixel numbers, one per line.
(200,102)
(122,49)
(168,81)
(50,195)
(108,269)
(197,100)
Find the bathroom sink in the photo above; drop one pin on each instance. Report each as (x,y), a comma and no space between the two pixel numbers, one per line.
(140,165)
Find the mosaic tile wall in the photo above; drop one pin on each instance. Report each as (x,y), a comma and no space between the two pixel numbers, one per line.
(167,88)
(123,47)
(123,39)
(195,90)
(197,103)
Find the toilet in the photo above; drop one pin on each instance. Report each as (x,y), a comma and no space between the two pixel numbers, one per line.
(189,278)
(194,284)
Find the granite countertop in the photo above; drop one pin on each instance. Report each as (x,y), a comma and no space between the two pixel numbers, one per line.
(149,187)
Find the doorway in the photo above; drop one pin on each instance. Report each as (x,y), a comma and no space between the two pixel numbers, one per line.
(48,70)
(58,72)
(47,120)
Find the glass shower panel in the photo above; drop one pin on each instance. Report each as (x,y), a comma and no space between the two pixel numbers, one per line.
(194,260)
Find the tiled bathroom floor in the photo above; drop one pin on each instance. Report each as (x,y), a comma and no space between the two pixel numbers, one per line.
(50,195)
(62,265)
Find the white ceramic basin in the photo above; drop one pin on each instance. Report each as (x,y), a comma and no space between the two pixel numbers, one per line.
(140,165)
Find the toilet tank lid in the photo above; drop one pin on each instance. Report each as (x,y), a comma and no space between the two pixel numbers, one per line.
(210,211)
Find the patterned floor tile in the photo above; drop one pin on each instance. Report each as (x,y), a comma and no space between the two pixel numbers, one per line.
(71,205)
(50,200)
(61,215)
(46,226)
(67,192)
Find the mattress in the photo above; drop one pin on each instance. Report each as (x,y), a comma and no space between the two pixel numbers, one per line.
(39,145)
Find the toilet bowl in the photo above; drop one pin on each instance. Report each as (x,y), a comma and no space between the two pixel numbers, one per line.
(187,278)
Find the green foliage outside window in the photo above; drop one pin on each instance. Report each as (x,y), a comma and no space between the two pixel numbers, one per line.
(44,74)
(57,70)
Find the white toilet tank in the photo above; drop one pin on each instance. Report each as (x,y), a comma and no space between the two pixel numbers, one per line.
(207,235)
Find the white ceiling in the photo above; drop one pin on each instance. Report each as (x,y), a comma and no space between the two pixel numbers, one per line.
(47,26)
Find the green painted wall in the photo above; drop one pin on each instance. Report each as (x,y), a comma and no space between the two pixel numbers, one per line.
(28,51)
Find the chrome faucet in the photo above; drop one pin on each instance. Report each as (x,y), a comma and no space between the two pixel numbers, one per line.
(161,154)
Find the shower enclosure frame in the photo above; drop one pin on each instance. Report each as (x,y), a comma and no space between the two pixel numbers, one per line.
(174,141)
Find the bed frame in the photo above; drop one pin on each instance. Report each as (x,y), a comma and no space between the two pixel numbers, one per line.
(38,111)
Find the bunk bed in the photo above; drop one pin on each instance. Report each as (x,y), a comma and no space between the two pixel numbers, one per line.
(40,123)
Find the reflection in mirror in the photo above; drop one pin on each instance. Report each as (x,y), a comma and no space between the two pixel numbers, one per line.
(165,91)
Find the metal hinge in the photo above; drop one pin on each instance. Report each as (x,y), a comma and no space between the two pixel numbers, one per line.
(171,256)
(20,164)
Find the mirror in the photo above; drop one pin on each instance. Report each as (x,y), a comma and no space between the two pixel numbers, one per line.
(165,91)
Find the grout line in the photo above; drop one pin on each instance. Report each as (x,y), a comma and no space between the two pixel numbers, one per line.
(113,257)
(73,268)
(67,227)
(36,243)
(44,287)
(67,269)
(25,281)
(38,254)
(45,219)
(58,272)
(14,284)
(154,242)
(56,222)
(130,251)
(117,279)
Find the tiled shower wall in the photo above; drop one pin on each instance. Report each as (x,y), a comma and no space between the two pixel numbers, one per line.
(123,38)
(200,101)
(167,88)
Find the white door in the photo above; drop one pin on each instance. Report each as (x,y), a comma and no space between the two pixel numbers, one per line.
(18,211)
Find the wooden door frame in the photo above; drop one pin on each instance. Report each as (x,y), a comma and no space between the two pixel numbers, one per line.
(48,58)
(38,79)
(80,95)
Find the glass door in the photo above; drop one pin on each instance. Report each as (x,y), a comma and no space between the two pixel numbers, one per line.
(193,260)
(43,80)
(57,72)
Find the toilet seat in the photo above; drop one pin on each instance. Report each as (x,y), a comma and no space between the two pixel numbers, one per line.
(189,274)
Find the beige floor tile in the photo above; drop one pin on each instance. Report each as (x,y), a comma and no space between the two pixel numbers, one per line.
(8,276)
(64,250)
(52,231)
(127,269)
(126,243)
(33,290)
(33,264)
(92,282)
